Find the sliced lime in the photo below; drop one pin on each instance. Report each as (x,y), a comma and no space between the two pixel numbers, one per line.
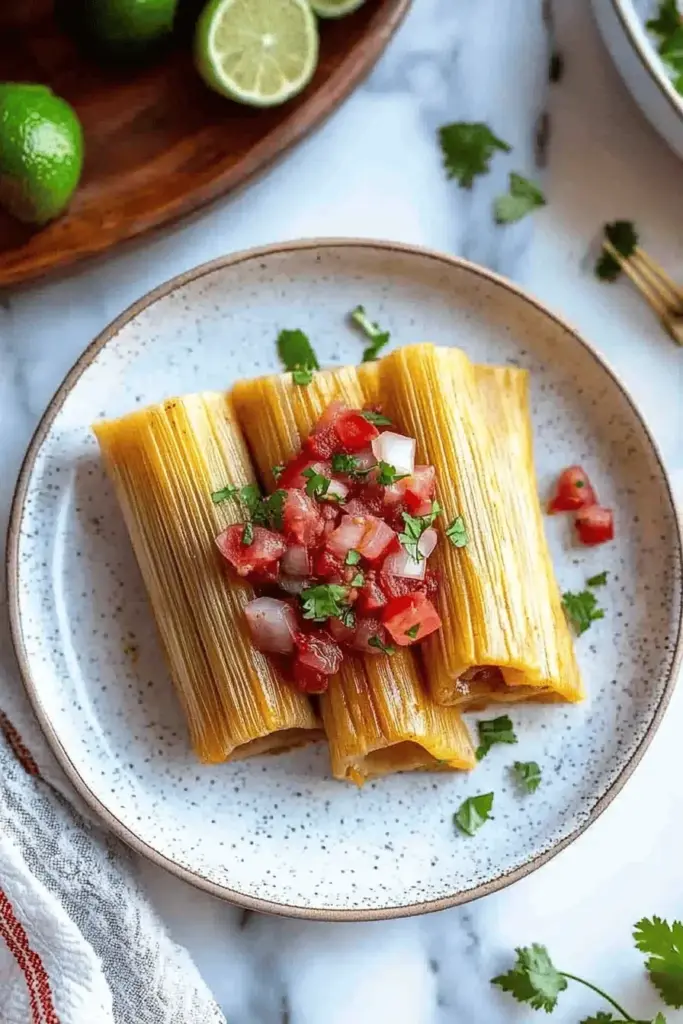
(260,52)
(335,8)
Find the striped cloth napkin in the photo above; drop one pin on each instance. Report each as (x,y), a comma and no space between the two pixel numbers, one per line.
(79,942)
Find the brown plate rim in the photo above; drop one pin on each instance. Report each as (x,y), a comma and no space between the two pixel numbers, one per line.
(12,570)
(350,72)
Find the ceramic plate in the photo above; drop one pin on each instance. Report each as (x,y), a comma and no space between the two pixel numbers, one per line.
(278,833)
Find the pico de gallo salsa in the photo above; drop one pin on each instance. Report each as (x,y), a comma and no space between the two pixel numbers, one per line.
(339,552)
(575,493)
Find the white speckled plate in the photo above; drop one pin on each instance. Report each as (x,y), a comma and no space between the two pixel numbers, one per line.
(278,833)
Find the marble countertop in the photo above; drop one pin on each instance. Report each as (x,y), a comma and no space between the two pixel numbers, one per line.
(374,170)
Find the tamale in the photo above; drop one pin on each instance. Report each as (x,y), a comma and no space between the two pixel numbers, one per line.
(165,462)
(504,635)
(377,713)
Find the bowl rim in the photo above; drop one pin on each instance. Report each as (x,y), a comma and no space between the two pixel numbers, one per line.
(636,33)
(12,578)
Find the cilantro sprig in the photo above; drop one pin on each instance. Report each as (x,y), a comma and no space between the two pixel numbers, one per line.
(387,474)
(492,731)
(257,510)
(456,531)
(473,812)
(467,148)
(376,336)
(325,601)
(377,418)
(667,25)
(582,610)
(534,979)
(415,526)
(527,775)
(317,485)
(297,355)
(523,197)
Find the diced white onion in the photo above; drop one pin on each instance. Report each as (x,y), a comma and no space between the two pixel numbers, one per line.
(292,584)
(365,459)
(296,561)
(401,564)
(337,491)
(396,450)
(427,542)
(272,625)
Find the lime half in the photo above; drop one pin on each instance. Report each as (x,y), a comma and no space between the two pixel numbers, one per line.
(260,52)
(335,8)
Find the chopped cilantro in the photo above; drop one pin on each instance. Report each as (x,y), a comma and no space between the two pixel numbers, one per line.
(376,641)
(387,475)
(473,813)
(523,197)
(415,526)
(224,494)
(413,631)
(248,534)
(324,601)
(317,485)
(297,355)
(344,464)
(527,775)
(534,979)
(457,533)
(378,338)
(358,580)
(375,417)
(348,618)
(278,471)
(353,557)
(302,377)
(467,148)
(667,21)
(581,609)
(624,238)
(597,581)
(492,731)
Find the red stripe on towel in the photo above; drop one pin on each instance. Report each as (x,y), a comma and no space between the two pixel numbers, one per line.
(17,744)
(30,964)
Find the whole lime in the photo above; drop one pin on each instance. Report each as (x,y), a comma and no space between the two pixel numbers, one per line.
(124,30)
(41,152)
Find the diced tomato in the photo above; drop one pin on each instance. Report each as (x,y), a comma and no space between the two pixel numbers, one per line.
(376,539)
(574,490)
(595,525)
(404,613)
(302,522)
(260,556)
(371,598)
(331,414)
(293,474)
(341,633)
(307,679)
(366,629)
(399,586)
(323,441)
(318,651)
(354,431)
(431,582)
(328,566)
(367,501)
(413,490)
(349,534)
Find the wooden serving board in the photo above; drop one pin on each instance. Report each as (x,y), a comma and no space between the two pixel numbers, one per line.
(159,144)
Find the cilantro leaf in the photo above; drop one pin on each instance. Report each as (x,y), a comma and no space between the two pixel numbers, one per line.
(492,731)
(250,499)
(248,534)
(297,355)
(523,197)
(413,631)
(344,463)
(600,1018)
(597,581)
(581,610)
(659,1019)
(527,775)
(376,641)
(358,580)
(224,494)
(467,148)
(317,485)
(534,979)
(264,511)
(415,526)
(624,237)
(456,532)
(387,475)
(473,812)
(667,20)
(278,471)
(348,618)
(664,943)
(352,557)
(376,417)
(378,337)
(324,601)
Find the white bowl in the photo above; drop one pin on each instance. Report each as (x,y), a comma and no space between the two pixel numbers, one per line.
(640,66)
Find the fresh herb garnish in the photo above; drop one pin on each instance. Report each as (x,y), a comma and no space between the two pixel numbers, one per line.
(473,813)
(467,148)
(344,464)
(597,581)
(352,557)
(624,238)
(358,580)
(492,731)
(535,980)
(248,534)
(581,609)
(413,631)
(278,471)
(348,618)
(224,494)
(457,533)
(667,21)
(668,27)
(523,197)
(415,526)
(387,475)
(317,485)
(378,338)
(527,775)
(297,355)
(375,417)
(375,641)
(324,601)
